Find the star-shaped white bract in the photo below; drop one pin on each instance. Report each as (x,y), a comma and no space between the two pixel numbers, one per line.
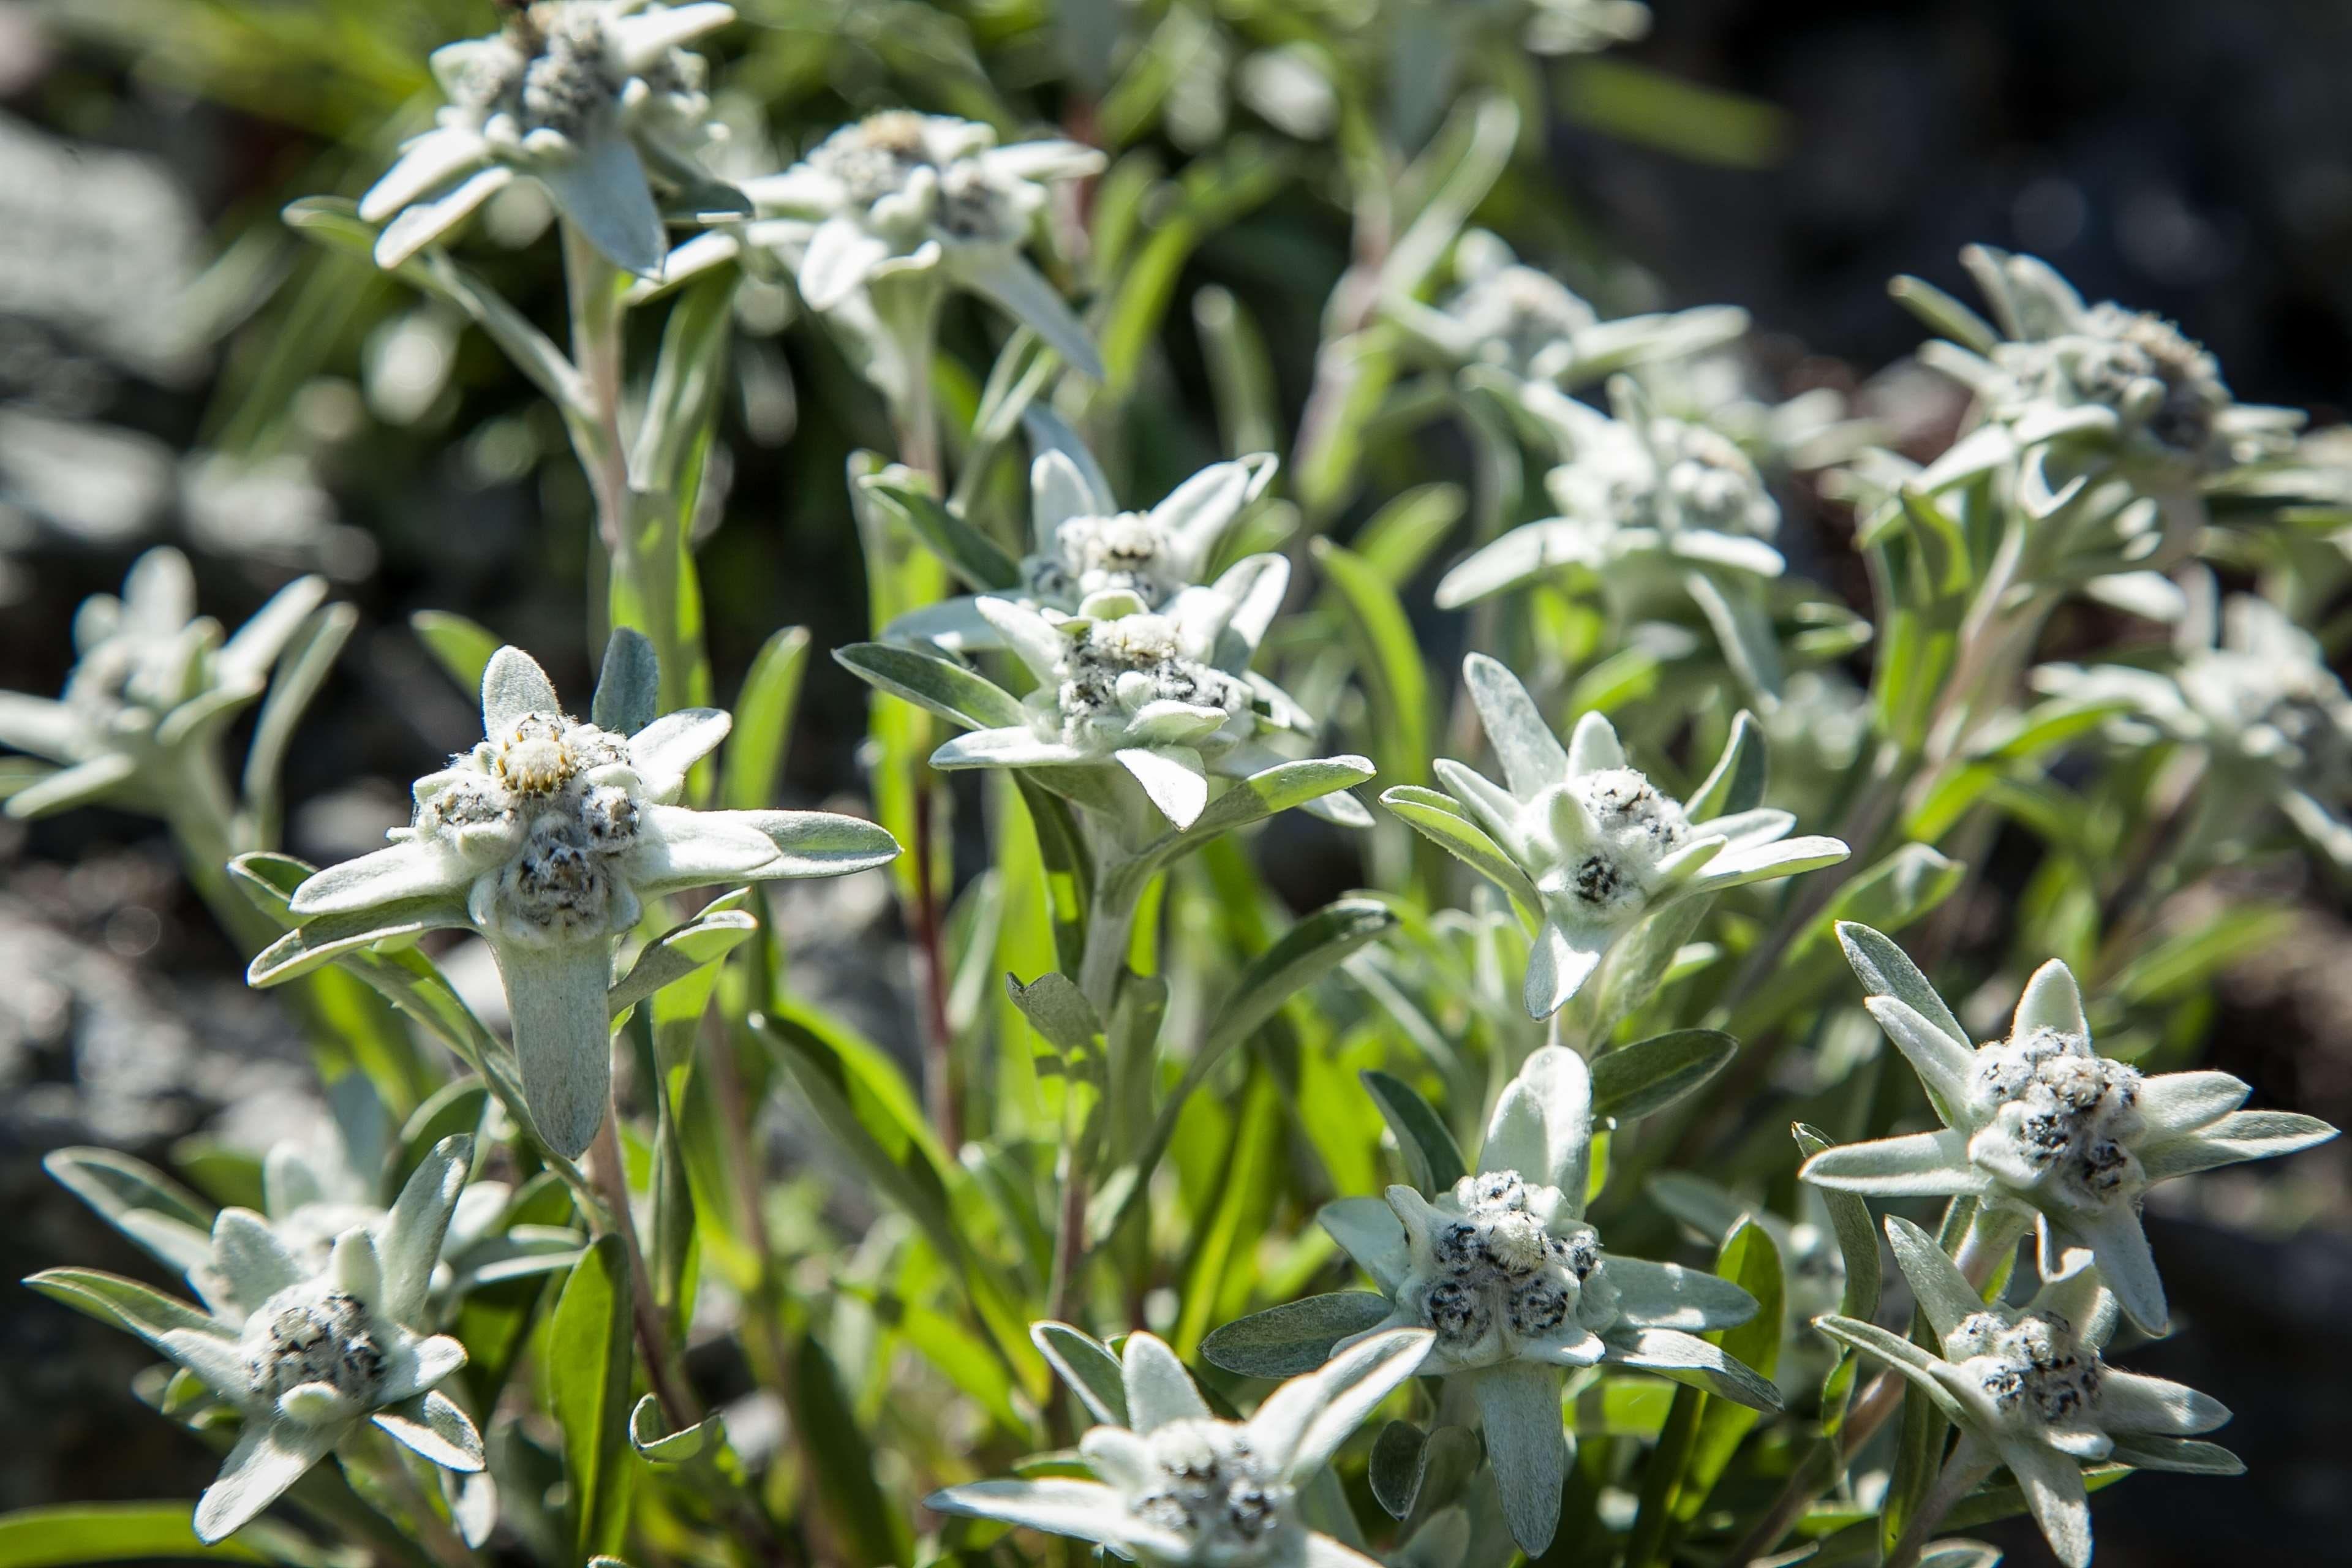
(593,98)
(1166,696)
(900,192)
(1179,1486)
(2041,1121)
(1587,840)
(154,687)
(2027,1386)
(1504,1271)
(1505,316)
(309,1352)
(1641,490)
(547,838)
(2099,379)
(2255,694)
(1090,559)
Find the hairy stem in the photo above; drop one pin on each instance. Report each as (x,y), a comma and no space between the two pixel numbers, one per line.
(612,1179)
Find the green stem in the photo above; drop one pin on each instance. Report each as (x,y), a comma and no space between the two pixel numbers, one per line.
(1968,1466)
(612,1179)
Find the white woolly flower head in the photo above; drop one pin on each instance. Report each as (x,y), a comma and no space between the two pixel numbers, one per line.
(593,98)
(1503,1270)
(2052,1113)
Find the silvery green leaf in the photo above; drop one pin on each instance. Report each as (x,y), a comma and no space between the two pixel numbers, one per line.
(935,684)
(322,939)
(514,686)
(679,953)
(1019,290)
(268,1457)
(125,1304)
(1519,1405)
(654,1444)
(1296,1337)
(1914,1164)
(1059,1011)
(974,556)
(1431,1158)
(1089,1369)
(1885,970)
(428,224)
(1669,1295)
(82,783)
(2185,1455)
(1857,1239)
(1735,784)
(1398,1454)
(1646,1077)
(1943,314)
(602,190)
(1442,820)
(563,1035)
(628,687)
(1919,1367)
(1159,1389)
(430,1424)
(1688,1358)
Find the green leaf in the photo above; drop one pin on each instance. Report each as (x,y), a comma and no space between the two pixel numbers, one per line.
(303,668)
(115,1184)
(689,379)
(679,953)
(1296,1337)
(969,553)
(628,687)
(1059,1011)
(1398,540)
(130,1532)
(1395,1472)
(934,683)
(1250,800)
(1885,970)
(1751,1261)
(587,1370)
(1086,1365)
(460,646)
(650,1435)
(1431,1158)
(1736,781)
(1648,1076)
(1943,314)
(753,759)
(843,1460)
(1396,677)
(454,1108)
(121,1303)
(1440,818)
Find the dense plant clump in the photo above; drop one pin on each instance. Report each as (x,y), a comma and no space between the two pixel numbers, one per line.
(1173,1245)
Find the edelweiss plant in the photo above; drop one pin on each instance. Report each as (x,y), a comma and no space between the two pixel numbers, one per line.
(591,99)
(1586,839)
(2028,1391)
(308,1353)
(547,839)
(2040,1124)
(1178,1485)
(1503,1269)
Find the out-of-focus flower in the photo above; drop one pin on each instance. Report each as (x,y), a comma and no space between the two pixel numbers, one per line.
(593,98)
(1179,1486)
(2040,1122)
(309,1353)
(153,689)
(2028,1389)
(2253,693)
(2097,379)
(1641,489)
(546,839)
(902,192)
(1587,839)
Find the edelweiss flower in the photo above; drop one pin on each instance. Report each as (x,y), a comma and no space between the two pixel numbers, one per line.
(902,192)
(1179,1486)
(1530,326)
(547,838)
(1639,489)
(590,98)
(1166,696)
(2259,700)
(1092,559)
(2042,1123)
(312,1194)
(308,1353)
(152,689)
(2100,378)
(1587,839)
(2028,1389)
(1506,1273)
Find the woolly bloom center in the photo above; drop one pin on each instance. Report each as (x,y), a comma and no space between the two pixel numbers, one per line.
(1209,1486)
(1492,1277)
(1709,481)
(1102,554)
(1520,312)
(900,154)
(557,802)
(1115,668)
(2033,1371)
(1607,862)
(2056,1112)
(2137,364)
(314,1353)
(556,67)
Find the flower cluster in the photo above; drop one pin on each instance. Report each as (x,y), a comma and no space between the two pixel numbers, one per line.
(1585,839)
(151,690)
(1178,1485)
(2039,1123)
(1512,1283)
(592,99)
(547,838)
(2029,1388)
(1639,489)
(308,1350)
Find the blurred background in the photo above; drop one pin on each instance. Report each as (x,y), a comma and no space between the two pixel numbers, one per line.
(176,366)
